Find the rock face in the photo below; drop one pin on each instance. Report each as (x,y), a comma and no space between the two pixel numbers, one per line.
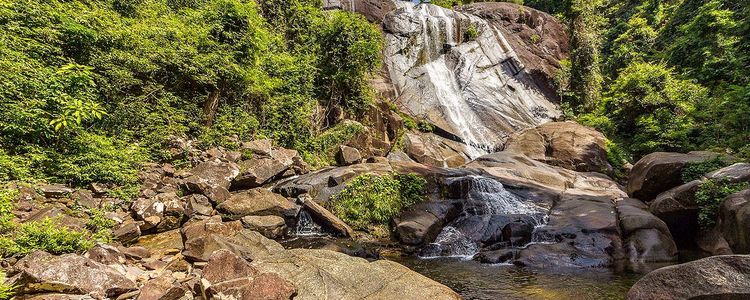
(718,277)
(734,221)
(660,171)
(476,88)
(322,274)
(538,39)
(564,144)
(646,238)
(41,272)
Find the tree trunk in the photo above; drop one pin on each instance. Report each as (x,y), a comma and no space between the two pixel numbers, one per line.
(210,107)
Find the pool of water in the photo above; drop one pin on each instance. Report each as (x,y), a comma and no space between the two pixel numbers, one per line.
(481,281)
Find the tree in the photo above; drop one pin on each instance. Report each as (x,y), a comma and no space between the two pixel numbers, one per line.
(585,40)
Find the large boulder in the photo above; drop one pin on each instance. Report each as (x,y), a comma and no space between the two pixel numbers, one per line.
(734,221)
(348,156)
(432,150)
(326,218)
(203,237)
(267,164)
(164,287)
(423,221)
(646,238)
(256,202)
(41,272)
(322,274)
(565,144)
(212,179)
(582,232)
(324,183)
(227,276)
(717,277)
(269,226)
(660,171)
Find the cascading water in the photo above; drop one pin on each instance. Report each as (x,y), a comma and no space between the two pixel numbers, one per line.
(486,201)
(306,226)
(473,89)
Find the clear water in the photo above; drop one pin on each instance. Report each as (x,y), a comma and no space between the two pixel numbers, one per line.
(473,280)
(306,226)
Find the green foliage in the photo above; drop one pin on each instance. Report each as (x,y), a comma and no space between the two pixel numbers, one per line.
(372,200)
(6,291)
(709,196)
(91,89)
(617,158)
(48,236)
(472,33)
(650,109)
(101,226)
(321,150)
(7,199)
(585,39)
(695,170)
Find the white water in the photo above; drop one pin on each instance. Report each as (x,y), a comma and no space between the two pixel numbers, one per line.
(493,199)
(306,226)
(461,86)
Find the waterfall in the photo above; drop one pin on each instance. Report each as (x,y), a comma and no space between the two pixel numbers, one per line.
(306,226)
(485,198)
(473,89)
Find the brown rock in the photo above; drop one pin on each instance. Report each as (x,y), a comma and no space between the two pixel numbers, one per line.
(212,179)
(227,276)
(203,237)
(269,226)
(127,231)
(164,287)
(41,272)
(734,221)
(423,221)
(564,144)
(55,190)
(348,156)
(429,149)
(717,277)
(660,171)
(326,218)
(256,202)
(257,171)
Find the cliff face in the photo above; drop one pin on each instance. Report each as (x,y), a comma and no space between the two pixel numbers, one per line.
(463,74)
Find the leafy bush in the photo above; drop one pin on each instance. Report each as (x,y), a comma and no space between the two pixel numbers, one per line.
(472,33)
(100,226)
(372,200)
(709,196)
(46,235)
(617,158)
(695,170)
(7,197)
(6,291)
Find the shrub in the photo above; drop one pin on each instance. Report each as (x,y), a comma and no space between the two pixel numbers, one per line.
(617,158)
(709,196)
(372,201)
(48,236)
(100,226)
(7,197)
(6,291)
(472,33)
(695,170)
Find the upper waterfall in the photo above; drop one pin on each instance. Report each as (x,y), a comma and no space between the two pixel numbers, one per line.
(474,88)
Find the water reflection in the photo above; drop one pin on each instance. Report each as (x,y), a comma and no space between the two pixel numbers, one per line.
(474,280)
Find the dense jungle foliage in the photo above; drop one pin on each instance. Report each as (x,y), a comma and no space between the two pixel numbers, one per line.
(90,89)
(659,75)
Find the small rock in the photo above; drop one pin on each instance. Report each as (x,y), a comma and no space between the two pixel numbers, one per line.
(348,156)
(55,190)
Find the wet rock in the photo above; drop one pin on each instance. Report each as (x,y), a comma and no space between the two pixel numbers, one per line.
(348,156)
(718,277)
(164,287)
(321,274)
(256,202)
(582,232)
(203,237)
(564,144)
(41,272)
(227,276)
(734,221)
(271,227)
(495,256)
(326,218)
(212,179)
(423,221)
(660,171)
(55,190)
